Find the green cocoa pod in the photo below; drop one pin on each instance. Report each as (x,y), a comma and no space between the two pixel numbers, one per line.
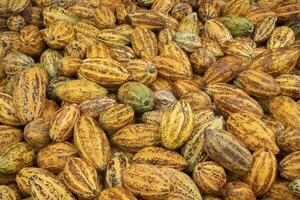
(238,26)
(137,95)
(294,187)
(16,157)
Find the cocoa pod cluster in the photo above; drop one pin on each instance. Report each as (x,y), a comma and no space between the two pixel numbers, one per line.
(150,99)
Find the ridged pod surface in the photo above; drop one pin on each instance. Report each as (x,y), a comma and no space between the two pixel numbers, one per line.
(281,37)
(289,167)
(16,157)
(8,113)
(144,43)
(263,172)
(227,150)
(137,136)
(94,106)
(62,123)
(176,125)
(209,176)
(193,150)
(184,187)
(116,165)
(116,117)
(106,72)
(236,7)
(225,69)
(237,190)
(252,131)
(285,110)
(289,85)
(217,31)
(258,83)
(146,19)
(276,61)
(15,62)
(91,142)
(139,180)
(265,28)
(116,193)
(172,68)
(46,187)
(24,175)
(279,190)
(7,193)
(9,136)
(160,157)
(81,178)
(30,94)
(54,156)
(288,139)
(77,91)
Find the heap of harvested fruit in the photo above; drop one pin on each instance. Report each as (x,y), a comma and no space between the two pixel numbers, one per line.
(149,99)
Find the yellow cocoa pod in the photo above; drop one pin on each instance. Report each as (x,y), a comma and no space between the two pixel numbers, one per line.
(188,41)
(104,17)
(122,54)
(263,172)
(241,124)
(30,93)
(276,61)
(278,191)
(52,14)
(236,7)
(217,31)
(32,42)
(197,100)
(77,91)
(201,60)
(183,186)
(289,85)
(9,136)
(97,50)
(113,37)
(163,98)
(176,125)
(180,10)
(152,117)
(62,123)
(285,110)
(136,137)
(40,184)
(265,28)
(142,71)
(54,156)
(281,37)
(81,178)
(161,84)
(87,133)
(139,179)
(117,164)
(36,133)
(258,84)
(59,34)
(237,190)
(164,37)
(287,139)
(163,6)
(16,157)
(106,72)
(94,106)
(50,108)
(225,69)
(144,43)
(289,167)
(68,66)
(184,86)
(116,117)
(24,175)
(172,68)
(189,24)
(118,193)
(15,62)
(237,48)
(8,193)
(8,113)
(146,19)
(160,157)
(209,176)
